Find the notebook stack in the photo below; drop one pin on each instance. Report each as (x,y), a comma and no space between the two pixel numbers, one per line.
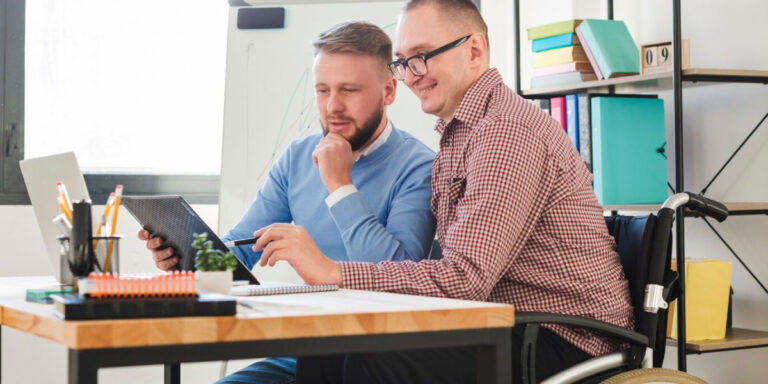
(558,55)
(107,296)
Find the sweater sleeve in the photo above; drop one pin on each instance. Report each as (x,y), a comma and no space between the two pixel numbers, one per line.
(410,225)
(270,206)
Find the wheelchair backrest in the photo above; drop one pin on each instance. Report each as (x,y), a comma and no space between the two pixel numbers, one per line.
(634,243)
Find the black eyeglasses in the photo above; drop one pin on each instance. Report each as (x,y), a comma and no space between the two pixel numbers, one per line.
(418,63)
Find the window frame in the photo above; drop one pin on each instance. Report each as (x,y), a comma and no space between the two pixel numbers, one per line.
(197,189)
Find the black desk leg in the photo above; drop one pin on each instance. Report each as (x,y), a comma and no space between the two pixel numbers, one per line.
(173,373)
(82,368)
(494,362)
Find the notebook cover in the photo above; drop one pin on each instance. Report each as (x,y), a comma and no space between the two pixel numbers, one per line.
(612,47)
(559,56)
(563,68)
(76,307)
(590,57)
(280,289)
(572,117)
(628,134)
(553,29)
(558,111)
(552,42)
(561,78)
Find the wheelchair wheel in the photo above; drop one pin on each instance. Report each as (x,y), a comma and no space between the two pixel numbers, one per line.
(654,375)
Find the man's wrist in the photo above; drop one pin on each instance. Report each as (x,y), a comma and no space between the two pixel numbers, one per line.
(339,194)
(336,275)
(333,186)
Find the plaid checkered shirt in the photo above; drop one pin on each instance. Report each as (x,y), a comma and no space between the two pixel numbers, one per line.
(517,220)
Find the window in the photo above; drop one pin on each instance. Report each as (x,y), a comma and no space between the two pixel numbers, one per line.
(135,89)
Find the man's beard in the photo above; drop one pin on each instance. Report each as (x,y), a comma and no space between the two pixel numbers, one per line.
(364,132)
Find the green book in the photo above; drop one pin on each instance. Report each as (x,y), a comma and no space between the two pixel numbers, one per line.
(553,29)
(43,295)
(628,150)
(610,47)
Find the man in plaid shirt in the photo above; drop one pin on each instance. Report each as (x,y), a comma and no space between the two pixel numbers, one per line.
(517,219)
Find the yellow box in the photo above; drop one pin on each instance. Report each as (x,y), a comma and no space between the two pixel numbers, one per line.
(708,285)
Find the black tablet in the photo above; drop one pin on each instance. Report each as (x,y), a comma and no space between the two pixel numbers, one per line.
(171,218)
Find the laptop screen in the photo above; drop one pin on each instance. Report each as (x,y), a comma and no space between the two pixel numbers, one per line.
(41,175)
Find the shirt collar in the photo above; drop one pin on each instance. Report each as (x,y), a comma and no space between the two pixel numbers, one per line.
(472,106)
(383,137)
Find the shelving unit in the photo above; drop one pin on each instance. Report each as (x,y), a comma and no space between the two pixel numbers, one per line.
(691,75)
(736,338)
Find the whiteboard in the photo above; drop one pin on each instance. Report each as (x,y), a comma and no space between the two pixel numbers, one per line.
(269,98)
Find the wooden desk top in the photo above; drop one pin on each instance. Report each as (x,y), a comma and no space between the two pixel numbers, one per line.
(341,313)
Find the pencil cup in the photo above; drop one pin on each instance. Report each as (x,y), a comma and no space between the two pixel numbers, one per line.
(106,254)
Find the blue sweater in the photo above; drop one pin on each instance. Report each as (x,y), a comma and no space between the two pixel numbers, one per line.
(389,218)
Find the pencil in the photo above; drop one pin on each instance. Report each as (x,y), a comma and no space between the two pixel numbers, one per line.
(65,196)
(103,222)
(63,207)
(110,243)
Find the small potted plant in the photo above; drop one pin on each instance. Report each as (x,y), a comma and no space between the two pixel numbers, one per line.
(213,266)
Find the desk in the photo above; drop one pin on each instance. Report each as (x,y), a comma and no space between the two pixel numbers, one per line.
(345,321)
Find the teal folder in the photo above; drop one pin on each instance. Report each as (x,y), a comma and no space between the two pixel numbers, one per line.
(612,47)
(628,143)
(552,42)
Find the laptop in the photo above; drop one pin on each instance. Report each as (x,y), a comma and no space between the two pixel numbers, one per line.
(41,175)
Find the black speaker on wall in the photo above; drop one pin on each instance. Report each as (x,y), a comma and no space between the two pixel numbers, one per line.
(261,18)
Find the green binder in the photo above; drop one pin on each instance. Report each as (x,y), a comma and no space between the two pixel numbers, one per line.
(628,150)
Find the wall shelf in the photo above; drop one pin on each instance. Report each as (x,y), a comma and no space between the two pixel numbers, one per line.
(735,338)
(691,75)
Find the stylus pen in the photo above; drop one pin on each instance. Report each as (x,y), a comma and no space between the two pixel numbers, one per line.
(235,243)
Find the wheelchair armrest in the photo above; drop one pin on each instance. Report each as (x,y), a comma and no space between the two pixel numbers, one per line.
(581,322)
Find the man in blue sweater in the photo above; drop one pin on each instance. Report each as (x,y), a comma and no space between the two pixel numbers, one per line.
(358,192)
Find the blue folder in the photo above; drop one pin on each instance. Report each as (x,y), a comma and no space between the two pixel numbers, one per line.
(552,42)
(628,150)
(572,115)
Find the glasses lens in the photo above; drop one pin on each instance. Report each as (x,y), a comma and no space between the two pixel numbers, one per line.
(397,69)
(418,66)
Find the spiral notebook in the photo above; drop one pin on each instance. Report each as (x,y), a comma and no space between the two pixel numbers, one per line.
(266,288)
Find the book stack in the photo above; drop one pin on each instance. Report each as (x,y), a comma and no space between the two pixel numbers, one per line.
(558,55)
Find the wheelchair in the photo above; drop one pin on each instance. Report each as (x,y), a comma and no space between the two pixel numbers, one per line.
(644,246)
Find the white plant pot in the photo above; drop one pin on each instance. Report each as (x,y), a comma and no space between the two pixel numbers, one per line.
(214,281)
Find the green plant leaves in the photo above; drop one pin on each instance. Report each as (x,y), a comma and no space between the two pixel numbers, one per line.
(209,259)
